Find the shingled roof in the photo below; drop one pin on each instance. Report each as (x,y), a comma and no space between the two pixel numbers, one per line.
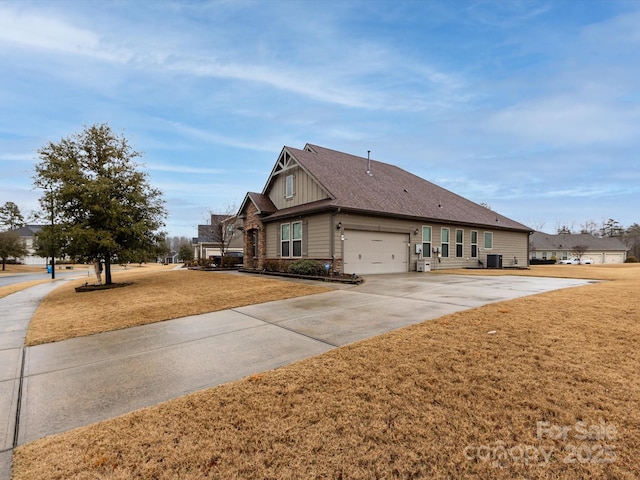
(263,204)
(385,190)
(28,230)
(567,241)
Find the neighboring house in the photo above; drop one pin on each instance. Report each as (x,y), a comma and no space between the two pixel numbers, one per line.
(545,246)
(28,235)
(171,257)
(208,242)
(362,217)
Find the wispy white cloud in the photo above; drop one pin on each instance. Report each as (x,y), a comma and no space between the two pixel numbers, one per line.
(584,191)
(506,14)
(184,169)
(214,138)
(497,101)
(363,75)
(17,157)
(23,28)
(567,121)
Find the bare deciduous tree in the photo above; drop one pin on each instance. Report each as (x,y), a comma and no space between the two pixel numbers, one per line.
(222,228)
(578,251)
(564,228)
(590,227)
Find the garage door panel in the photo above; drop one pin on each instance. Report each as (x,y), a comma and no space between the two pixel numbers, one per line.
(367,252)
(613,258)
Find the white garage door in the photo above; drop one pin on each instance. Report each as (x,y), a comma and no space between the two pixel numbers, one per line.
(613,257)
(375,252)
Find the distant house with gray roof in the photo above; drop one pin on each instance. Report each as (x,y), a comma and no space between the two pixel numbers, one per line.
(28,234)
(209,242)
(364,216)
(545,246)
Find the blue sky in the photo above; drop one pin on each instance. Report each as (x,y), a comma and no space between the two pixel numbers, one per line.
(530,107)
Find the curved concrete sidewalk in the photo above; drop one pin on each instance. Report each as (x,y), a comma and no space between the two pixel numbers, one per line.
(83,380)
(16,311)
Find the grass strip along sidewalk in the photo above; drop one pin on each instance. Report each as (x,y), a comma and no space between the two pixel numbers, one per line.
(155,295)
(546,386)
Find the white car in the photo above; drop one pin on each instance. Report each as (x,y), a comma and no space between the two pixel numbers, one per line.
(576,261)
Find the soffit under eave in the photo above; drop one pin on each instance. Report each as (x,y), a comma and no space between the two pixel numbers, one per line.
(286,161)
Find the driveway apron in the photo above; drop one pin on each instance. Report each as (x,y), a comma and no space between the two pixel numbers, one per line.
(83,380)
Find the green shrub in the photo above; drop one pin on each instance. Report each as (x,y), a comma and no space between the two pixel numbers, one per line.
(631,259)
(307,267)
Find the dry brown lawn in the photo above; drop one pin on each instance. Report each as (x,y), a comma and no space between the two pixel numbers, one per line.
(553,393)
(156,294)
(12,269)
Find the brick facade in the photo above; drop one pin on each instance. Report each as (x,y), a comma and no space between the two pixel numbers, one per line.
(254,231)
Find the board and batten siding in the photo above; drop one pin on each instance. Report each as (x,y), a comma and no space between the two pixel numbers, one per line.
(305,189)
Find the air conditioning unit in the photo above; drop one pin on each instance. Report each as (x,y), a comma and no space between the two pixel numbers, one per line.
(494,261)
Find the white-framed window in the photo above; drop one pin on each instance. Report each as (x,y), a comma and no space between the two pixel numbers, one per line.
(296,239)
(488,240)
(426,241)
(285,240)
(444,242)
(459,242)
(289,192)
(474,244)
(291,239)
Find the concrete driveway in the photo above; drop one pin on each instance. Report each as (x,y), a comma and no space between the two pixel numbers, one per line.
(83,380)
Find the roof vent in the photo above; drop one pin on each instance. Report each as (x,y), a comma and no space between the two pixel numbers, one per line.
(369,163)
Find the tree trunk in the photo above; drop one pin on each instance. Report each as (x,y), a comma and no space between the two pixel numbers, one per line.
(107,271)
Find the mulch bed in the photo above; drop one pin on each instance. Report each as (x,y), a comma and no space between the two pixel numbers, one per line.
(93,288)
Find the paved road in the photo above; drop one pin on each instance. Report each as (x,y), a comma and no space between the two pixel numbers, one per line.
(79,381)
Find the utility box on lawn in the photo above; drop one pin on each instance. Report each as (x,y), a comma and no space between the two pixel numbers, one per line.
(423,266)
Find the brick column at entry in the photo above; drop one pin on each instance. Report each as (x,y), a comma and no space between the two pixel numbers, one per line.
(254,226)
